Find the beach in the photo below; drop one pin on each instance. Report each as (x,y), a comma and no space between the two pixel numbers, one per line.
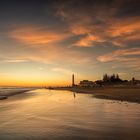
(62,115)
(130,94)
(6,92)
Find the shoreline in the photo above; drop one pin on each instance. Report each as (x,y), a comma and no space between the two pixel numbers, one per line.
(129,94)
(11,92)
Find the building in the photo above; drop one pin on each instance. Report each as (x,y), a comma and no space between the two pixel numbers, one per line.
(135,82)
(86,83)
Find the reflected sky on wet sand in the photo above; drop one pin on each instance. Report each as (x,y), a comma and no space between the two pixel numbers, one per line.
(51,114)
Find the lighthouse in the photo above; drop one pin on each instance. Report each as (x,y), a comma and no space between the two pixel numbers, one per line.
(73,80)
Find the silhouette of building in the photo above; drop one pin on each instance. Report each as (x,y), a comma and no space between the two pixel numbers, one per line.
(134,81)
(73,80)
(86,83)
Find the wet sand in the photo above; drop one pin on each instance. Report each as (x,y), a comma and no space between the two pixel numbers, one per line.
(5,93)
(130,94)
(58,115)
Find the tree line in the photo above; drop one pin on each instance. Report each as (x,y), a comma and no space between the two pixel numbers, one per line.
(110,79)
(114,78)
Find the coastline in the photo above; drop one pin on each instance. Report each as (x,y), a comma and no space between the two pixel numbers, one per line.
(129,94)
(5,93)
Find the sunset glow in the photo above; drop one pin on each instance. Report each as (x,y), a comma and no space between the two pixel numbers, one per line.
(43,43)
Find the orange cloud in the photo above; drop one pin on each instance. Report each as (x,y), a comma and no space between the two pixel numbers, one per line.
(36,35)
(119,55)
(88,41)
(119,33)
(107,24)
(79,30)
(120,29)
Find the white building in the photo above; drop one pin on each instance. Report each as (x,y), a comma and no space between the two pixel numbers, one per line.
(86,83)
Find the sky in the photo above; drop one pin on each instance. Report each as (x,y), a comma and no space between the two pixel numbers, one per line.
(43,42)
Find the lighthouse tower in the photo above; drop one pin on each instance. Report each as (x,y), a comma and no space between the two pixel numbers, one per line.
(73,80)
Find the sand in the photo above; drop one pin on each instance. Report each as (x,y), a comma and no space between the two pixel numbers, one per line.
(130,94)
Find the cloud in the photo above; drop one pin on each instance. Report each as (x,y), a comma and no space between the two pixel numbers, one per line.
(15,60)
(43,45)
(37,35)
(86,24)
(121,29)
(63,70)
(117,55)
(88,41)
(106,21)
(50,53)
(128,57)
